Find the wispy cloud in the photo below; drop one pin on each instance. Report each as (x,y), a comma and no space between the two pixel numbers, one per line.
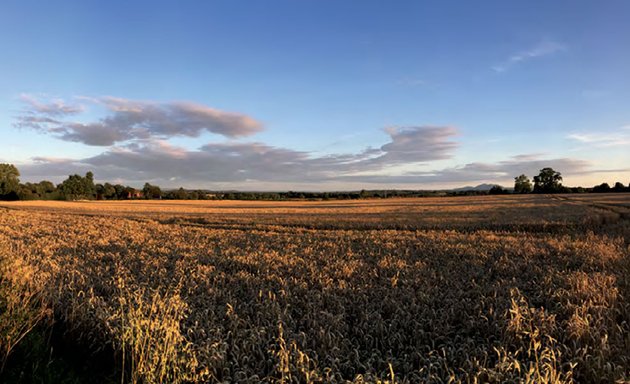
(529,164)
(50,107)
(239,164)
(543,48)
(417,144)
(233,162)
(236,163)
(128,120)
(137,133)
(604,139)
(258,165)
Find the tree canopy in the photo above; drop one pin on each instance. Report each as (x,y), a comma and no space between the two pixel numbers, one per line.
(9,182)
(522,184)
(602,188)
(548,181)
(151,191)
(37,191)
(76,187)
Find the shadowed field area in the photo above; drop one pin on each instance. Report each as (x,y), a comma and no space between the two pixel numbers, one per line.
(524,288)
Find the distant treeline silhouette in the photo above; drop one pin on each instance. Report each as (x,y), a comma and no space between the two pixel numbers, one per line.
(77,187)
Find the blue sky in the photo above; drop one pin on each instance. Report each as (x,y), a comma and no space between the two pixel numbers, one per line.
(316,95)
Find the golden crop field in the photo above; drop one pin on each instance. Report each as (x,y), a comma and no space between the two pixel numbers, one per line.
(524,288)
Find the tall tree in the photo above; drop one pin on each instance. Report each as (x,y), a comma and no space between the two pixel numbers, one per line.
(9,182)
(151,191)
(120,191)
(548,181)
(109,191)
(90,188)
(46,187)
(76,187)
(522,184)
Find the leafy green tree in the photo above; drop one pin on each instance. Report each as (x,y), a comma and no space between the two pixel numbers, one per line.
(109,192)
(548,181)
(72,188)
(33,191)
(522,184)
(100,191)
(90,188)
(151,191)
(76,187)
(27,192)
(180,194)
(46,187)
(119,192)
(619,187)
(9,182)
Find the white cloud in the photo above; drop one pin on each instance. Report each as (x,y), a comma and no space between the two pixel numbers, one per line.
(543,48)
(128,120)
(620,137)
(417,144)
(51,107)
(233,162)
(260,166)
(501,171)
(137,132)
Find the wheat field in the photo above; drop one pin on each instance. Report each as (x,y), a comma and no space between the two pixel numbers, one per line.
(526,288)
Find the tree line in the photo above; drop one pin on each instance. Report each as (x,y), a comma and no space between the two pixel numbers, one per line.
(77,187)
(550,181)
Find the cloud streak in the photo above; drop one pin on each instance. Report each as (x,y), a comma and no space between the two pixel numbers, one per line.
(617,138)
(262,166)
(529,164)
(544,48)
(128,120)
(52,107)
(160,161)
(136,136)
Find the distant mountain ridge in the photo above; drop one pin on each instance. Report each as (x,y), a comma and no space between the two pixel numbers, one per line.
(480,188)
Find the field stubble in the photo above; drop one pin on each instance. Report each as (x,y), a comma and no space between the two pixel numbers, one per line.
(479,289)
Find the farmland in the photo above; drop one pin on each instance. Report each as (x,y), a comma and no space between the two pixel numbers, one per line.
(515,288)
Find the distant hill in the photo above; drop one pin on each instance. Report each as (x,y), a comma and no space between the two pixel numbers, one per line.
(480,188)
